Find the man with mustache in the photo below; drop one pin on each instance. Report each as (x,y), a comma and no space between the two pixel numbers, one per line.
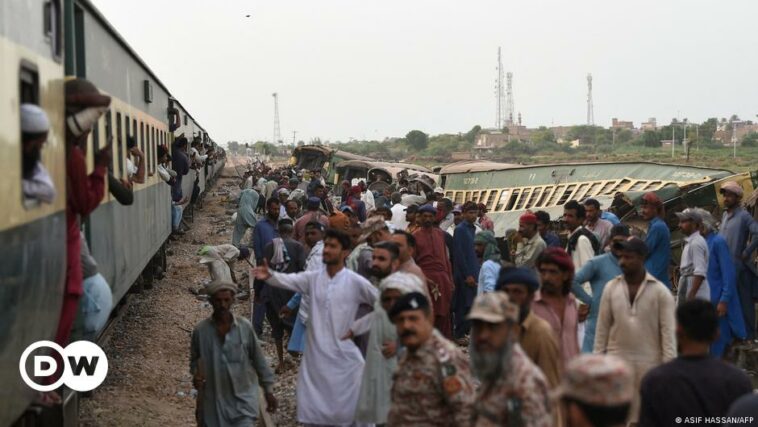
(35,126)
(636,320)
(228,365)
(432,384)
(513,391)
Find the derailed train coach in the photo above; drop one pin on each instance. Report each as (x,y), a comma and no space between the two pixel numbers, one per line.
(41,44)
(508,190)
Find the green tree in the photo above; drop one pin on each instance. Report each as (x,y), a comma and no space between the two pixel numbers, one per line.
(471,135)
(417,140)
(651,138)
(750,140)
(542,135)
(624,136)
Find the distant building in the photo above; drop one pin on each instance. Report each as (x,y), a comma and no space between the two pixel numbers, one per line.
(724,136)
(560,132)
(650,124)
(620,124)
(490,138)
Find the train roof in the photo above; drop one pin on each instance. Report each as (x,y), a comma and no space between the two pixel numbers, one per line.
(326,151)
(468,166)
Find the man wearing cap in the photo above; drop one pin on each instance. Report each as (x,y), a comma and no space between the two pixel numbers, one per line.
(228,365)
(536,336)
(329,378)
(531,245)
(355,202)
(465,270)
(722,281)
(432,384)
(640,332)
(595,223)
(658,238)
(554,302)
(36,182)
(597,391)
(315,182)
(513,391)
(737,227)
(693,266)
(367,197)
(598,271)
(84,105)
(695,384)
(431,256)
(381,357)
(312,214)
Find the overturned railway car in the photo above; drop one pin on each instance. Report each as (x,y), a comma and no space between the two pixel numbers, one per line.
(508,190)
(41,44)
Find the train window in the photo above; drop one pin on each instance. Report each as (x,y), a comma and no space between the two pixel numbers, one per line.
(128,128)
(525,193)
(617,187)
(607,187)
(512,199)
(581,191)
(28,81)
(185,120)
(54,28)
(152,145)
(79,49)
(547,191)
(555,196)
(593,191)
(491,200)
(533,198)
(96,136)
(458,197)
(108,137)
(652,185)
(134,134)
(142,132)
(502,200)
(566,196)
(119,151)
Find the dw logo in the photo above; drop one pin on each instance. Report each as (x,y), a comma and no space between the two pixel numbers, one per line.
(84,365)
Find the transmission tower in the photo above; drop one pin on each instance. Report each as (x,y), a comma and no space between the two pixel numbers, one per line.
(499,92)
(590,107)
(509,91)
(277,131)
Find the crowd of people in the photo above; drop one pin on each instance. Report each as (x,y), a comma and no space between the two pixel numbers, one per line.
(409,311)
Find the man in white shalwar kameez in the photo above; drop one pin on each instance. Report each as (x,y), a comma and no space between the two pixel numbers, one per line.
(381,356)
(329,380)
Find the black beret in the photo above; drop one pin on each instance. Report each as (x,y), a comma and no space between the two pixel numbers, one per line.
(411,301)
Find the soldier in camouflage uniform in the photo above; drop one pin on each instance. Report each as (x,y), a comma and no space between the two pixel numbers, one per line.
(432,385)
(513,390)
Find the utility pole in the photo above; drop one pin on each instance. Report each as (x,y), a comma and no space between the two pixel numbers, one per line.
(294,138)
(734,137)
(590,106)
(277,131)
(673,139)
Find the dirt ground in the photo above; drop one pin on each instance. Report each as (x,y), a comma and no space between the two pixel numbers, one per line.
(148,382)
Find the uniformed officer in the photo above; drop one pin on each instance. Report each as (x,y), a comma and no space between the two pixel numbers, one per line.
(432,385)
(513,390)
(596,390)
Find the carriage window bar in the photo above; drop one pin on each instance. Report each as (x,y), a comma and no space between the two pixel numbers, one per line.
(119,151)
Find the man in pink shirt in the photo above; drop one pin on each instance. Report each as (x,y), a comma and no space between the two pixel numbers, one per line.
(554,302)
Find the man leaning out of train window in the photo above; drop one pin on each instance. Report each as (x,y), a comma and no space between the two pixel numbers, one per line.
(135,162)
(36,184)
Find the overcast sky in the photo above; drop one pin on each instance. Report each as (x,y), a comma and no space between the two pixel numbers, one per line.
(368,69)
